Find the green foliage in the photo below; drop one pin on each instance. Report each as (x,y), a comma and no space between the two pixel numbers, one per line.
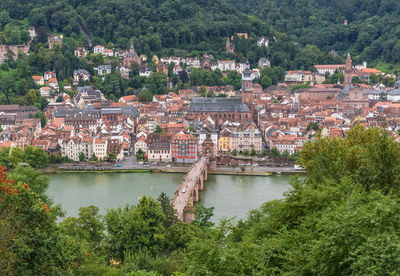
(157,83)
(36,157)
(112,156)
(274,153)
(145,96)
(341,219)
(295,87)
(312,126)
(140,155)
(202,216)
(82,156)
(42,118)
(158,129)
(135,228)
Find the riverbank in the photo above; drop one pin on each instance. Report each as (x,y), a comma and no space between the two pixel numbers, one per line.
(256,171)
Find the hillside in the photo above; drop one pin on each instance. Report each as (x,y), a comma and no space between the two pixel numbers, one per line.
(372,31)
(151,25)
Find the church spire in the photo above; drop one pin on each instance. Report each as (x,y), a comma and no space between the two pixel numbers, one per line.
(348,73)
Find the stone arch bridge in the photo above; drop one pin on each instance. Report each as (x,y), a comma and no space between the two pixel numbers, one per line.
(188,191)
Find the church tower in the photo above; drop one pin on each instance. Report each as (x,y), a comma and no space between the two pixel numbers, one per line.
(247,86)
(348,72)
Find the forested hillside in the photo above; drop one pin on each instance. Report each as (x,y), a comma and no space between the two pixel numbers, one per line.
(372,32)
(151,25)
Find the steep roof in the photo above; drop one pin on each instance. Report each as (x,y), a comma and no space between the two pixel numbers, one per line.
(217,105)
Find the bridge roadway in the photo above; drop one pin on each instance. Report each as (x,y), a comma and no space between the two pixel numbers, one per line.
(188,191)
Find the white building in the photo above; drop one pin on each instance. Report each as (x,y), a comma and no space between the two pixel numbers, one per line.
(145,72)
(81,74)
(193,62)
(98,49)
(169,60)
(264,62)
(141,144)
(103,69)
(226,65)
(159,152)
(263,41)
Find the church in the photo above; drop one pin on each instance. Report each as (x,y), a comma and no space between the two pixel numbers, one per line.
(351,95)
(226,109)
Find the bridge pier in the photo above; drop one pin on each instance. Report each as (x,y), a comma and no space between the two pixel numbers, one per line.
(205,173)
(188,217)
(201,180)
(196,193)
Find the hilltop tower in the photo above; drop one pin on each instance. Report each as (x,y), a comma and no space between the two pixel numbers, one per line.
(348,72)
(229,46)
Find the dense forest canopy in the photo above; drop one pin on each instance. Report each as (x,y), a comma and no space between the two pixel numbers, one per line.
(372,31)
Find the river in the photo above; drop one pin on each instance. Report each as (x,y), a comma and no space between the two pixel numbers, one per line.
(232,196)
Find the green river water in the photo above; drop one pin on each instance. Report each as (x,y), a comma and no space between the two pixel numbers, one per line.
(232,196)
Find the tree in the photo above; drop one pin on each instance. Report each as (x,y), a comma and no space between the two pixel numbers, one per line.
(136,228)
(135,68)
(145,96)
(274,152)
(93,158)
(88,226)
(203,216)
(112,156)
(234,152)
(16,156)
(203,92)
(36,157)
(243,169)
(312,126)
(158,129)
(157,83)
(36,246)
(42,118)
(253,152)
(167,209)
(266,81)
(246,152)
(140,155)
(82,156)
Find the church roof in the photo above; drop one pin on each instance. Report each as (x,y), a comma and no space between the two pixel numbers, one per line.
(217,105)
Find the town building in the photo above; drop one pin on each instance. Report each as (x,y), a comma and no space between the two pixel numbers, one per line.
(330,68)
(55,40)
(184,148)
(80,52)
(264,62)
(219,109)
(246,139)
(81,75)
(103,69)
